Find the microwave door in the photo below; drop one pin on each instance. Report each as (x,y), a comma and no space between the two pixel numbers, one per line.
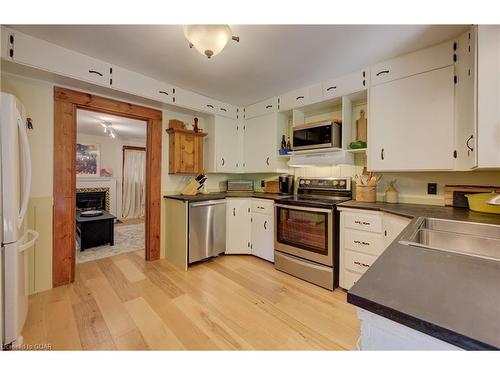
(312,137)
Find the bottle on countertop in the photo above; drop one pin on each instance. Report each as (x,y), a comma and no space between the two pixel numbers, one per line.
(283,142)
(288,144)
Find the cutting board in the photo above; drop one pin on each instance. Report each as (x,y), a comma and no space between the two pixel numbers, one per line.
(361,127)
(454,195)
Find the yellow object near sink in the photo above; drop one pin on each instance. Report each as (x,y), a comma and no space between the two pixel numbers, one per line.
(478,202)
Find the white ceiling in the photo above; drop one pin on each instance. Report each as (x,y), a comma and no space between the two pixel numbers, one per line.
(268,61)
(89,122)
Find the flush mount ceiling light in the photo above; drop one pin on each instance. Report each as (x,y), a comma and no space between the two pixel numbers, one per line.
(209,40)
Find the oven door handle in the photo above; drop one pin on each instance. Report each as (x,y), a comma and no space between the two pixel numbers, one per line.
(303,208)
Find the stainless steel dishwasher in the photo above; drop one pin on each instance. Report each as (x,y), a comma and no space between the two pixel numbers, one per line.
(207,229)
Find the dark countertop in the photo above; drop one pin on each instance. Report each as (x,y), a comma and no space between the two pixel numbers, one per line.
(229,194)
(453,297)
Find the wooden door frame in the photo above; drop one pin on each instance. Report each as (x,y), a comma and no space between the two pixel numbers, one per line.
(66,103)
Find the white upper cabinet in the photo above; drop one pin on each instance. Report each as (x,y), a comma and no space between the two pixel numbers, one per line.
(197,102)
(301,97)
(141,85)
(411,123)
(423,60)
(346,84)
(465,152)
(262,142)
(261,108)
(488,96)
(24,49)
(220,152)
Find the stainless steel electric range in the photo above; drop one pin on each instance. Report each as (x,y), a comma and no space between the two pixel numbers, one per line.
(306,230)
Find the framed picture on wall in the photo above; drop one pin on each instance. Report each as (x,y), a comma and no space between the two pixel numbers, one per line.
(88,160)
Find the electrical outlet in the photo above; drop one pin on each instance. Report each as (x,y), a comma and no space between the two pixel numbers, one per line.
(432,188)
(262,184)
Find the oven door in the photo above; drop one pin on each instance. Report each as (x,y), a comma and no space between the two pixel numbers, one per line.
(306,137)
(305,232)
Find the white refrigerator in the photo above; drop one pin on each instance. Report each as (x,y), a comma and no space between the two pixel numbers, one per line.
(16,240)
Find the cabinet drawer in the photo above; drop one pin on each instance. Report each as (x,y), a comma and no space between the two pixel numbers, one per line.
(421,61)
(349,279)
(368,222)
(357,262)
(364,241)
(263,206)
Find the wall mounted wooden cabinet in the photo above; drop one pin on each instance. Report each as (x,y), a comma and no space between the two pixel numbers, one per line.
(185,154)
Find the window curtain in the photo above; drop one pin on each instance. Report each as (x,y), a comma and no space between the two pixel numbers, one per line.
(134,184)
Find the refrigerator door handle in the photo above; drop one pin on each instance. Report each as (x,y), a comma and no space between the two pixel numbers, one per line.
(27,171)
(30,243)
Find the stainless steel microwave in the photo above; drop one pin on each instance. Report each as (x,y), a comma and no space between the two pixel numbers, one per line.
(324,134)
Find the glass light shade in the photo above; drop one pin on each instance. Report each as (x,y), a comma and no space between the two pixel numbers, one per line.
(209,40)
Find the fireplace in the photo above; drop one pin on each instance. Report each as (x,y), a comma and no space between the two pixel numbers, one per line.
(92,199)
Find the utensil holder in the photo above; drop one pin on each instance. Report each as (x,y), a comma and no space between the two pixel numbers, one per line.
(365,193)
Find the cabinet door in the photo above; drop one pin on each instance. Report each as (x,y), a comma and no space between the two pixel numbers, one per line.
(488,96)
(141,85)
(252,160)
(240,127)
(238,226)
(346,84)
(411,123)
(261,108)
(417,62)
(53,58)
(263,236)
(301,97)
(393,226)
(226,152)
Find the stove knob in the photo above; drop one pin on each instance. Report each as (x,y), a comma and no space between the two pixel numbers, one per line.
(308,182)
(301,182)
(335,183)
(342,183)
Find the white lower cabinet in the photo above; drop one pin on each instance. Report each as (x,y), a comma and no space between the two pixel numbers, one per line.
(238,226)
(364,235)
(263,229)
(379,333)
(250,227)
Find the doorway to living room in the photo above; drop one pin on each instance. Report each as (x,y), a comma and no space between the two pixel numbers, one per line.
(110,185)
(67,103)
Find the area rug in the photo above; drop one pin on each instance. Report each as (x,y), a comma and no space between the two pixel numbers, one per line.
(127,238)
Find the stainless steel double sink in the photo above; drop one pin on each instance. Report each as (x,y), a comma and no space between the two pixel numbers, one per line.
(468,238)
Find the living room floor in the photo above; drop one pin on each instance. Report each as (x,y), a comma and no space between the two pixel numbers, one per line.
(128,237)
(230,302)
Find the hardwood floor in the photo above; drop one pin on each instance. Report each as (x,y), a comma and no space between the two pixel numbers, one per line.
(231,302)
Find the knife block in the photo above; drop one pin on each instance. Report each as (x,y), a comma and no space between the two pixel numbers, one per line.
(191,188)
